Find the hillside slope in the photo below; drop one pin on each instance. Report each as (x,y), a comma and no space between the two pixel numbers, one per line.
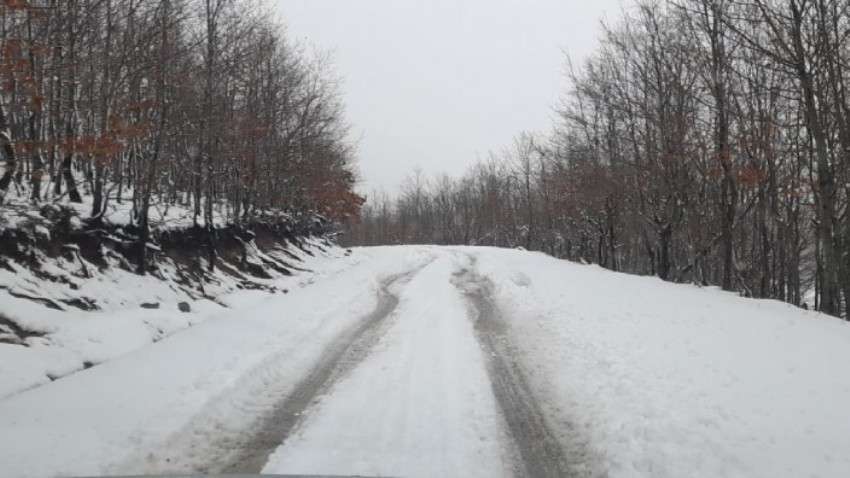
(71,295)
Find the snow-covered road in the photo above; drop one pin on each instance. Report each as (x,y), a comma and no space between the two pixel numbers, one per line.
(427,361)
(419,404)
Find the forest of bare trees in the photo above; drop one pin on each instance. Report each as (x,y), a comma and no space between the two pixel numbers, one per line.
(199,103)
(705,141)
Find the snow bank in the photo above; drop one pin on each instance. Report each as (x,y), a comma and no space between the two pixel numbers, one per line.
(668,380)
(68,340)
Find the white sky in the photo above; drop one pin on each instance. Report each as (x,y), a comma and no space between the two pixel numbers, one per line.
(437,83)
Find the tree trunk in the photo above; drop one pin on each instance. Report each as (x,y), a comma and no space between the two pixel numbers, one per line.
(664,265)
(11,162)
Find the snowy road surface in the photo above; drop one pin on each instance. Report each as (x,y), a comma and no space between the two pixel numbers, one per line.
(426,361)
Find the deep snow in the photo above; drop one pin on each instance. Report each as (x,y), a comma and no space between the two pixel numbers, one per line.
(648,378)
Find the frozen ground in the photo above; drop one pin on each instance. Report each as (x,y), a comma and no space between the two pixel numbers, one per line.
(426,361)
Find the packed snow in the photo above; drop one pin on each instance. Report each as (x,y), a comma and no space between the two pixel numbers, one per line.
(644,378)
(421,405)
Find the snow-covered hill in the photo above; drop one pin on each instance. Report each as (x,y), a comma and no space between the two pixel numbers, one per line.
(428,361)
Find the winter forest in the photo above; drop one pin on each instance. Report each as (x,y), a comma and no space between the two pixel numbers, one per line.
(201,104)
(706,141)
(603,249)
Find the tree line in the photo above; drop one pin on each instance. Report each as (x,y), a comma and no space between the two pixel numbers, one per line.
(200,103)
(704,141)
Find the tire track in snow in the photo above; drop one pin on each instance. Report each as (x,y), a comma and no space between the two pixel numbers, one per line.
(267,407)
(339,358)
(420,405)
(538,450)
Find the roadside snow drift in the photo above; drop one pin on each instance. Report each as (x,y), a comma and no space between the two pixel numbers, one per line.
(60,342)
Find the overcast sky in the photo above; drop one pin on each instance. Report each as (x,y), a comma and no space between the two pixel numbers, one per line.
(437,83)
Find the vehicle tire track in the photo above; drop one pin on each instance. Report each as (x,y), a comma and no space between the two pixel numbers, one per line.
(539,452)
(271,410)
(339,358)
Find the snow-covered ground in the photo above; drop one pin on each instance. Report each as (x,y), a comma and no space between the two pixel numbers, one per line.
(393,364)
(669,380)
(63,339)
(61,313)
(420,405)
(18,210)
